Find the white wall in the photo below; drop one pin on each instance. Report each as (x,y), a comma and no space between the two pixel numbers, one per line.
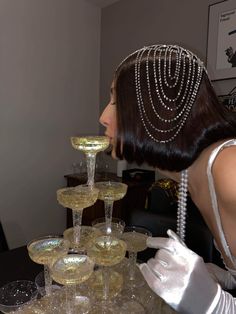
(49,90)
(130,24)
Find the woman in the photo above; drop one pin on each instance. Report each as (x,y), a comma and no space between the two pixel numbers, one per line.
(163,111)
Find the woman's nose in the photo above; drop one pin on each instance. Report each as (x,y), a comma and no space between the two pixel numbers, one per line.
(104,117)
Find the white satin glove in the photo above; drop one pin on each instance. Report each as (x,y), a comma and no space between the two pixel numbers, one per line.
(225,278)
(180,277)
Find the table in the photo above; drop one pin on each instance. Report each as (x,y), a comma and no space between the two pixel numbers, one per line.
(16,265)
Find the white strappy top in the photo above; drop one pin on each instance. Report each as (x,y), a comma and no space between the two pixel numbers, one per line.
(214,202)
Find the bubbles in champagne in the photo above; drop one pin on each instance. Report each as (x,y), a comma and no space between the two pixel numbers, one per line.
(107,250)
(136,242)
(90,144)
(113,191)
(77,198)
(72,269)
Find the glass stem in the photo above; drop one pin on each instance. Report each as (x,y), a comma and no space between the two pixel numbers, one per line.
(91,159)
(70,299)
(132,261)
(105,277)
(47,280)
(77,221)
(108,214)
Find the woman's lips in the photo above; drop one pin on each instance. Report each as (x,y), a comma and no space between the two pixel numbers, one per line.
(110,147)
(110,138)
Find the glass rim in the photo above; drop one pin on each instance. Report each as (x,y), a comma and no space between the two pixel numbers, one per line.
(139,229)
(25,282)
(47,237)
(110,182)
(113,220)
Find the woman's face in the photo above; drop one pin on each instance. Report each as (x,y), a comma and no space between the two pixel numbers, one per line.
(108,120)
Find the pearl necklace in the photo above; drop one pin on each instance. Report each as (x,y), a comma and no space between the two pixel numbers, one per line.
(182,204)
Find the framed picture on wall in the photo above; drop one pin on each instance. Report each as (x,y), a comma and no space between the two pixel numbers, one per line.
(221,43)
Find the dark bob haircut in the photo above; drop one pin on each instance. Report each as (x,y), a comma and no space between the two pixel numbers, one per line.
(208,121)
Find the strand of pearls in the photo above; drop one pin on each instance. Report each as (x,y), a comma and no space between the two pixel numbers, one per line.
(182,204)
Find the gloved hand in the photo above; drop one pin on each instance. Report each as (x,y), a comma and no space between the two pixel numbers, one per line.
(222,276)
(180,277)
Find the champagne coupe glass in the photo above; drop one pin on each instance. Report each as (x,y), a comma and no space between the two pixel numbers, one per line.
(117,226)
(106,251)
(135,238)
(77,198)
(109,192)
(45,251)
(16,294)
(87,235)
(90,145)
(71,270)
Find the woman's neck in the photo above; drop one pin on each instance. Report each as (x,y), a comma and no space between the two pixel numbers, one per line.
(171,175)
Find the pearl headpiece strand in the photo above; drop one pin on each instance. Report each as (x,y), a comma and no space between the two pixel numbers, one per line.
(170,75)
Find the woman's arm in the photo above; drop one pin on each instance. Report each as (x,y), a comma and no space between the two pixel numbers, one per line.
(226,279)
(180,277)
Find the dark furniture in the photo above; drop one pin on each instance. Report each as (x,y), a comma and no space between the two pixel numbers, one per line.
(160,215)
(152,205)
(16,265)
(3,241)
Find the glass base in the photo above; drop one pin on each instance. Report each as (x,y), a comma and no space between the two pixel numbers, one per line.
(106,307)
(137,280)
(82,304)
(132,307)
(124,268)
(143,300)
(56,303)
(31,310)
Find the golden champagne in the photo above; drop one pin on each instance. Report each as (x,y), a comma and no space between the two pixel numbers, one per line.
(87,235)
(90,144)
(135,241)
(116,228)
(107,250)
(46,250)
(113,191)
(72,269)
(77,198)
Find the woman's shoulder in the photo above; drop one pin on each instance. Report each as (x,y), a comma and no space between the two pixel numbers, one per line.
(224,177)
(224,173)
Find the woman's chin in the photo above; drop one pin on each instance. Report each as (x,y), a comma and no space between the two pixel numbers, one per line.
(113,154)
